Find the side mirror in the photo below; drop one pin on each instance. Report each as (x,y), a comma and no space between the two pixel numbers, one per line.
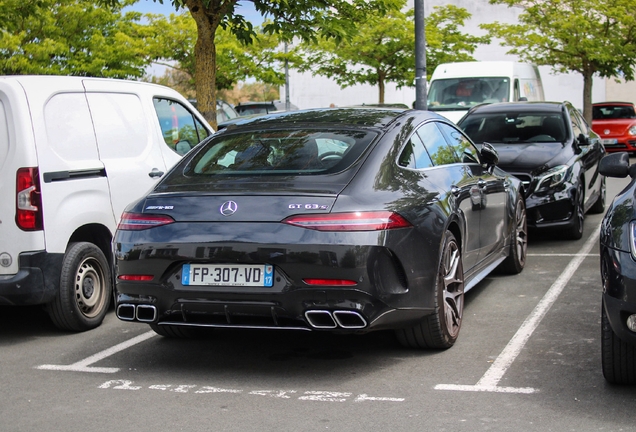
(616,165)
(583,140)
(488,155)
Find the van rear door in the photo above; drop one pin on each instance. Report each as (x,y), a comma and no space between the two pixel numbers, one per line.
(73,181)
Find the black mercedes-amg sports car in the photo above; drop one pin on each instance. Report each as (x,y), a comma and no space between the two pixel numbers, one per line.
(342,220)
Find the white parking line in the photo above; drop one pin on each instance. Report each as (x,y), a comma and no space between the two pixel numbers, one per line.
(499,367)
(84,365)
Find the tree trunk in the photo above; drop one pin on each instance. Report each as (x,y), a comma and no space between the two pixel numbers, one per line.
(588,76)
(380,87)
(205,57)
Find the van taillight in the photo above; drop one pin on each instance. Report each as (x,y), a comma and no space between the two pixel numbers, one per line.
(28,214)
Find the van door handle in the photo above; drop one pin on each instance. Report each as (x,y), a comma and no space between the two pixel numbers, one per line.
(455,190)
(155,173)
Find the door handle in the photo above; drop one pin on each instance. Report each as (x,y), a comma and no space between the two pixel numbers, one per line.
(155,173)
(455,190)
(482,184)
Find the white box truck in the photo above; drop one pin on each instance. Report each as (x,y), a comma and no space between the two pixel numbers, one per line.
(74,152)
(456,87)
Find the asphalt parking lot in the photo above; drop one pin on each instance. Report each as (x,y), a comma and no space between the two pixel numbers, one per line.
(528,358)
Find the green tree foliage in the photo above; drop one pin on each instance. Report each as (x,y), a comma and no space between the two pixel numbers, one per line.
(175,41)
(71,37)
(585,36)
(306,19)
(382,50)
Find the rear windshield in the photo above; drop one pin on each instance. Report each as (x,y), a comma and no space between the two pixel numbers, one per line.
(607,112)
(515,127)
(279,152)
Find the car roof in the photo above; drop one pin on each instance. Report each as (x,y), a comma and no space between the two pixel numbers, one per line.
(516,107)
(320,117)
(613,103)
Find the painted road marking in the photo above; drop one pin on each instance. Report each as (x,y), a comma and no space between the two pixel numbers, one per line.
(488,383)
(84,365)
(312,395)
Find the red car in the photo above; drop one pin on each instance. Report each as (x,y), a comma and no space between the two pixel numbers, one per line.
(615,123)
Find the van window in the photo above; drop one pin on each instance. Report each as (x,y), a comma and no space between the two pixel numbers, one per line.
(69,127)
(4,135)
(181,130)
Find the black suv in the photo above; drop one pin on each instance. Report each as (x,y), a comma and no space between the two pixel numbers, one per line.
(550,147)
(618,273)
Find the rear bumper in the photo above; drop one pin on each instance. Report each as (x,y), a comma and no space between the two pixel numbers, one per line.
(394,274)
(36,282)
(313,309)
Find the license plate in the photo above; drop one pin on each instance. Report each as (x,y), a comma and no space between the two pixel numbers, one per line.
(609,141)
(261,275)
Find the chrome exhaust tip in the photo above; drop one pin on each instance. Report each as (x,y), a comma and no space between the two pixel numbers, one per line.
(126,312)
(349,319)
(320,319)
(146,313)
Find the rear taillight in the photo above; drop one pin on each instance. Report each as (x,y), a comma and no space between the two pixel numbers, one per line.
(139,221)
(330,282)
(28,215)
(136,277)
(355,221)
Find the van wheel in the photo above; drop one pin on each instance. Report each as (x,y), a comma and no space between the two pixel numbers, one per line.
(85,289)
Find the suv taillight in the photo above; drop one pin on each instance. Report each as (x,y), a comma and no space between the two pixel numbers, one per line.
(28,213)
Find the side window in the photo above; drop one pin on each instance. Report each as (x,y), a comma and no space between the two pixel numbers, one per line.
(181,130)
(414,155)
(582,124)
(464,149)
(438,149)
(576,125)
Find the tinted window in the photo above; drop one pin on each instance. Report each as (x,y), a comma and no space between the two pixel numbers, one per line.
(462,145)
(438,149)
(279,152)
(414,155)
(181,130)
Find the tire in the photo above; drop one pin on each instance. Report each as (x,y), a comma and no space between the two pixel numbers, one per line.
(441,329)
(175,332)
(516,260)
(599,205)
(85,289)
(618,358)
(575,232)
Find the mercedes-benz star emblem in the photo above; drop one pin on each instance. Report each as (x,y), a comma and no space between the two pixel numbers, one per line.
(228,208)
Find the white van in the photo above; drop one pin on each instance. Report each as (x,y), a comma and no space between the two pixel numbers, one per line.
(73,153)
(456,87)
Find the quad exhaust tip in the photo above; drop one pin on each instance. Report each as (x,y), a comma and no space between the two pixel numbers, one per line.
(323,319)
(141,313)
